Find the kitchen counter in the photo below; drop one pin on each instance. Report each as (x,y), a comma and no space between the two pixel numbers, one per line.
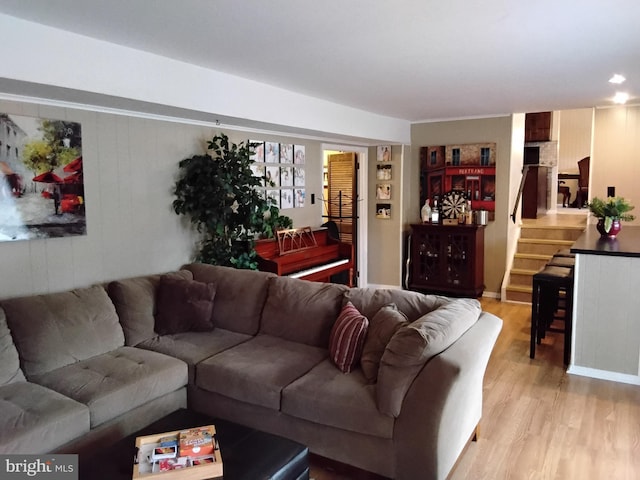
(626,244)
(606,329)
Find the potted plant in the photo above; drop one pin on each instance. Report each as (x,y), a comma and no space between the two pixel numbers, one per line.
(220,195)
(610,213)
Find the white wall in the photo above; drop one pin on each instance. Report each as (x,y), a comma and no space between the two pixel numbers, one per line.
(43,55)
(130,166)
(616,150)
(498,130)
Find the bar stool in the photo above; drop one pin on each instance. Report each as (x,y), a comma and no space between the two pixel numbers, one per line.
(548,284)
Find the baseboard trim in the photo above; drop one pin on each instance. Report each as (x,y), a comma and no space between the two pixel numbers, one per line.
(604,375)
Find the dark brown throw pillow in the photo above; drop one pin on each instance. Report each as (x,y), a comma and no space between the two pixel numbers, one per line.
(183,306)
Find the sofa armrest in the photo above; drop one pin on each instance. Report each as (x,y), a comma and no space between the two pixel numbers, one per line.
(443,407)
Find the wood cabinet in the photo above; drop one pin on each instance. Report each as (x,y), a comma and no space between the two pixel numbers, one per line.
(447,259)
(537,127)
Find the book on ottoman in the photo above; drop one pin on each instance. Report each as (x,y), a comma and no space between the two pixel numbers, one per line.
(196,442)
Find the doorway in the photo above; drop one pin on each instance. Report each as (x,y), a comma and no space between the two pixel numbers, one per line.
(344,171)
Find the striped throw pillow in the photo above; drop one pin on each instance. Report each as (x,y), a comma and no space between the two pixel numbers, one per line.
(347,337)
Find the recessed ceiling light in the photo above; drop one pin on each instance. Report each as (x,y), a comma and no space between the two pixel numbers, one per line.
(617,79)
(621,98)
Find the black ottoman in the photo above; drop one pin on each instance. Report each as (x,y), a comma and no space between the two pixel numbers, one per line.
(247,454)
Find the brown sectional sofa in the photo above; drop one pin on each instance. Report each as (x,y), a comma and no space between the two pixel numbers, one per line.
(87,366)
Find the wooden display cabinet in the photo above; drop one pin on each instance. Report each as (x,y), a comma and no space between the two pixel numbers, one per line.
(447,259)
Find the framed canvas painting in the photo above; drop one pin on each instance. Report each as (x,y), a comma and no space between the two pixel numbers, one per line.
(42,192)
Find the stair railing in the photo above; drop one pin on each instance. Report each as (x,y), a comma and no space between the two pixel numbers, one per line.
(525,170)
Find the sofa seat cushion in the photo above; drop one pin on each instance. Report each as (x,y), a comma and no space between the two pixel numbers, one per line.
(414,344)
(193,347)
(301,311)
(9,361)
(329,397)
(116,382)
(413,304)
(58,329)
(256,371)
(240,295)
(135,302)
(34,419)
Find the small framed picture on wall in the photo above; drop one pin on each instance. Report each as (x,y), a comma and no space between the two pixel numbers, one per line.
(298,154)
(383,191)
(383,211)
(274,197)
(286,198)
(384,153)
(273,176)
(383,171)
(257,146)
(272,152)
(286,153)
(298,177)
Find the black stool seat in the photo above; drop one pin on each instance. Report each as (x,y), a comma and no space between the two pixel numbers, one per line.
(548,284)
(565,252)
(557,261)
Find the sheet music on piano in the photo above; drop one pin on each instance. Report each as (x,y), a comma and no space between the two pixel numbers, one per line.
(292,240)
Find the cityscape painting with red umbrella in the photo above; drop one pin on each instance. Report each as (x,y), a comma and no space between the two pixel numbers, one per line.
(41,178)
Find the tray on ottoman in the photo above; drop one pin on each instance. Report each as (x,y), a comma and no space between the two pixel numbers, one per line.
(155,461)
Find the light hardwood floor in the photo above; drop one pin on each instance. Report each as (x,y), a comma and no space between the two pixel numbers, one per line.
(538,421)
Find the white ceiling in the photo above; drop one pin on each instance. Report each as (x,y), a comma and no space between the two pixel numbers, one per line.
(410,59)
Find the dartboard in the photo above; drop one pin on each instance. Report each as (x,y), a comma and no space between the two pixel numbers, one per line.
(453,204)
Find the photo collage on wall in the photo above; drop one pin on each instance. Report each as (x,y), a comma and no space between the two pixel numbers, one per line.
(383,187)
(281,165)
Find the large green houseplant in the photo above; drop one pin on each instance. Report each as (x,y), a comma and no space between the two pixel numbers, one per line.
(221,196)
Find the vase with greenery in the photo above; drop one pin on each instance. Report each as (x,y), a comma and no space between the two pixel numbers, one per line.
(610,213)
(221,196)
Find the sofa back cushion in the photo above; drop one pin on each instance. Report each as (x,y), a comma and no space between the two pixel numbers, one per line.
(135,302)
(58,329)
(301,311)
(414,344)
(413,304)
(384,324)
(9,361)
(240,295)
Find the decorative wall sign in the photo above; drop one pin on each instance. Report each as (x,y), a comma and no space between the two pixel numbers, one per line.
(468,168)
(41,178)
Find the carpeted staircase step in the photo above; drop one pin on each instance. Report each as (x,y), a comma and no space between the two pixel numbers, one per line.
(519,293)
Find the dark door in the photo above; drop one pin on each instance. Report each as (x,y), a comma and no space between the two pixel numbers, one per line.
(530,188)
